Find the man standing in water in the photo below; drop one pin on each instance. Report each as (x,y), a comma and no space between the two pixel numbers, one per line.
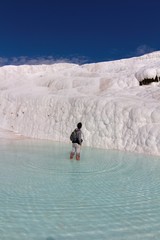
(76,138)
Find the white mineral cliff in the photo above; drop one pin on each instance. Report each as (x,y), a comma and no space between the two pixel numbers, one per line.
(117,111)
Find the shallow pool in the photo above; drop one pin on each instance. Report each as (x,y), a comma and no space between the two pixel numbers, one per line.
(106,195)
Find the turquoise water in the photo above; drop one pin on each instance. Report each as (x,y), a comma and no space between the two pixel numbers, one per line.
(106,195)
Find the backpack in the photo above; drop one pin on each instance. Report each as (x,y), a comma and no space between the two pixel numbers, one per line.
(73,136)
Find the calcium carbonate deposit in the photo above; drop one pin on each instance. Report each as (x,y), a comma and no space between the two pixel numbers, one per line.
(118,102)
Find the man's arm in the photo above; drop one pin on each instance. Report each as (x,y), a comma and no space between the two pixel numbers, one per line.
(79,137)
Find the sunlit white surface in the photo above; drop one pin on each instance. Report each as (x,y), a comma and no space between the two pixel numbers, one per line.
(47,101)
(106,195)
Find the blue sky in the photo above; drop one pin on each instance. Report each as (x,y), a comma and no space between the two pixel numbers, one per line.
(77,31)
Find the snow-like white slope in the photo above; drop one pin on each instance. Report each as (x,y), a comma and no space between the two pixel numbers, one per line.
(47,101)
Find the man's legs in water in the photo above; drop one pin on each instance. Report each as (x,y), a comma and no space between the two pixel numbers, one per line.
(75,148)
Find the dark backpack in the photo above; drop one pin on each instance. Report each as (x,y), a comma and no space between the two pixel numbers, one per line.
(73,136)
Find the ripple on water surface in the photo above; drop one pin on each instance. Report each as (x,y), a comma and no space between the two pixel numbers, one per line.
(105,195)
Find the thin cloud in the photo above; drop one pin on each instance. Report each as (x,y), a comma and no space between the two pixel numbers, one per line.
(25,60)
(3,61)
(140,50)
(143,49)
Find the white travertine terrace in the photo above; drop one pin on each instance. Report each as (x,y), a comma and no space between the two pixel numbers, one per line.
(47,101)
